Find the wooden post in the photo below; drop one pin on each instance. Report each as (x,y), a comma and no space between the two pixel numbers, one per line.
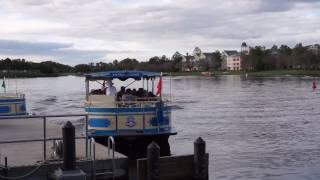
(199,161)
(153,156)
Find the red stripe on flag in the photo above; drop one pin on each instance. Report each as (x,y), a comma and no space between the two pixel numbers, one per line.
(159,86)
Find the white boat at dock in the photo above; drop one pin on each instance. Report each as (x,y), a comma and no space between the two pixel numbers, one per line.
(12,104)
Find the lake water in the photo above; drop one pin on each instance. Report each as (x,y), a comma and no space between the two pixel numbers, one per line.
(255,128)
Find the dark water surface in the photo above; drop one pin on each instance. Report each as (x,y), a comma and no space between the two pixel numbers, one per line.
(256,128)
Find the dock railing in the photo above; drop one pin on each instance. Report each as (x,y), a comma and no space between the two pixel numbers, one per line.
(44,138)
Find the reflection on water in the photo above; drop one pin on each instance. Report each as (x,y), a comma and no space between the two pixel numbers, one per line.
(255,128)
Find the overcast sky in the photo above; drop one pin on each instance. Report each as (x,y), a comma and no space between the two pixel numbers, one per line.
(82,31)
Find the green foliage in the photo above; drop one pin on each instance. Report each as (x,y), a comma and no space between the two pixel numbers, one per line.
(284,57)
(21,65)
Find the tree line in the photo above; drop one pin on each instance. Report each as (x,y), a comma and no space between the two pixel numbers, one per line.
(257,58)
(159,64)
(283,57)
(21,65)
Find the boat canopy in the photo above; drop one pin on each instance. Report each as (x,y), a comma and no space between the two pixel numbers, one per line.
(122,75)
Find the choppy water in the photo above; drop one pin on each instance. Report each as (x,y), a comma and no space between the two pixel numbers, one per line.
(255,128)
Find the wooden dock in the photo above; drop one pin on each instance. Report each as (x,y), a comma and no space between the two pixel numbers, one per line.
(30,153)
(28,147)
(25,157)
(27,144)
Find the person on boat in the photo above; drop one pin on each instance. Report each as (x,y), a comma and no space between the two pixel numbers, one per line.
(140,93)
(111,90)
(150,94)
(121,93)
(134,92)
(128,96)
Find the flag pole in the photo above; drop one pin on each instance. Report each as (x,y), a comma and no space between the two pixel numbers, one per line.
(16,86)
(170,86)
(4,84)
(161,86)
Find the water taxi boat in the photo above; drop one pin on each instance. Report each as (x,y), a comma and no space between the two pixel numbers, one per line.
(12,104)
(134,122)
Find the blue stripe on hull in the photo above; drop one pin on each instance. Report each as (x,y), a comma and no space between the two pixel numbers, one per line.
(99,122)
(5,109)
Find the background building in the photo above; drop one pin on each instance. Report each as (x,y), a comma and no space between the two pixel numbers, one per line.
(231,60)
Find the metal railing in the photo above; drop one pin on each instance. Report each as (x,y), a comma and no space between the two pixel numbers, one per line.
(111,142)
(12,95)
(44,138)
(111,145)
(93,157)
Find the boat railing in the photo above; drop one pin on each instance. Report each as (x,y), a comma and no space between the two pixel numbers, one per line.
(138,102)
(44,137)
(12,95)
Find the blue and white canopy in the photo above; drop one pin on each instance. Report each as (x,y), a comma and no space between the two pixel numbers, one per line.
(122,75)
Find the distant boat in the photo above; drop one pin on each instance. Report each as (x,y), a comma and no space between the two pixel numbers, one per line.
(207,73)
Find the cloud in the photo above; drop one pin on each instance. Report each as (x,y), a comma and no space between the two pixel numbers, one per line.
(283,5)
(115,29)
(64,52)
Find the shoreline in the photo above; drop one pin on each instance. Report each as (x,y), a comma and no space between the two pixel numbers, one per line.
(35,75)
(266,73)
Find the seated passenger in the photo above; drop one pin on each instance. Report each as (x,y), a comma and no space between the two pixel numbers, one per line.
(96,92)
(134,92)
(127,96)
(150,94)
(140,92)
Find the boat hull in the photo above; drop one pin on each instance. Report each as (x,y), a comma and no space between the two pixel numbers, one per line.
(133,128)
(129,121)
(12,106)
(135,147)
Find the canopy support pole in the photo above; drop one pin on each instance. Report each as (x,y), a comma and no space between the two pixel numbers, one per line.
(142,83)
(87,89)
(130,84)
(152,81)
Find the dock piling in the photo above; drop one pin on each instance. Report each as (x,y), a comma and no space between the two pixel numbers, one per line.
(6,166)
(200,161)
(153,156)
(69,170)
(69,151)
